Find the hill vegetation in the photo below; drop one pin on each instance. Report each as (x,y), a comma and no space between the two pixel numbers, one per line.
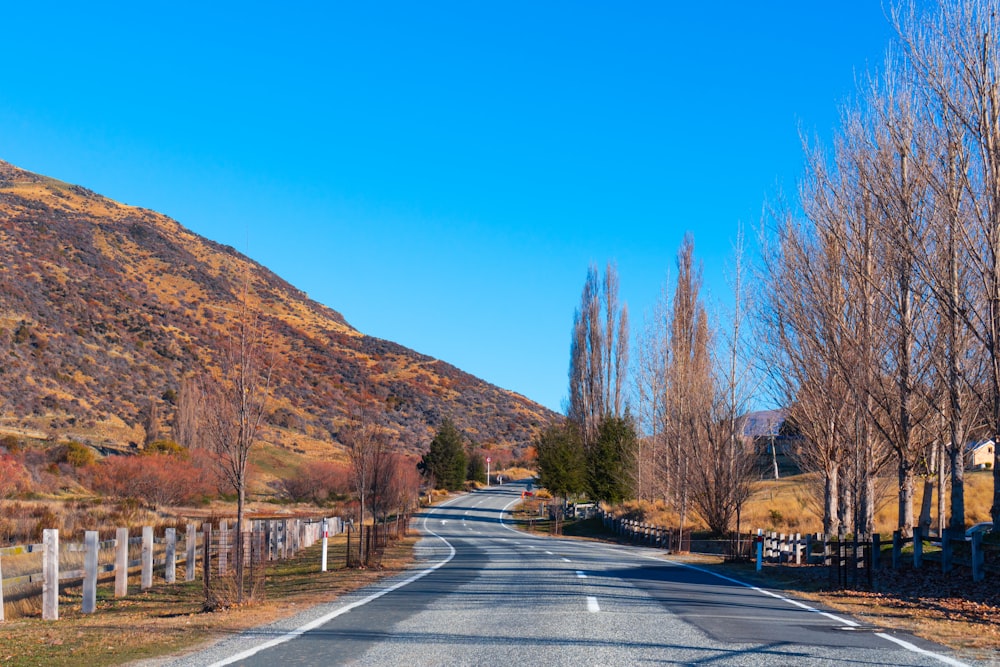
(106,308)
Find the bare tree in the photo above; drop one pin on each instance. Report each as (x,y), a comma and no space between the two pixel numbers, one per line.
(649,393)
(689,379)
(722,481)
(368,448)
(798,343)
(598,354)
(954,48)
(236,402)
(152,423)
(189,415)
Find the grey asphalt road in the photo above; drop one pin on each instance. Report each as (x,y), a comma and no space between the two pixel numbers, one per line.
(485,594)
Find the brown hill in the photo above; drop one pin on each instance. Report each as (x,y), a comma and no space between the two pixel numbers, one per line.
(105,307)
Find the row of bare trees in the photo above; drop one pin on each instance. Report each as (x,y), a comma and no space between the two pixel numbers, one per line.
(883,278)
(691,388)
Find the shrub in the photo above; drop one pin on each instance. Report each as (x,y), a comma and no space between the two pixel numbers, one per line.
(46,518)
(11,444)
(317,482)
(156,479)
(14,477)
(165,447)
(79,455)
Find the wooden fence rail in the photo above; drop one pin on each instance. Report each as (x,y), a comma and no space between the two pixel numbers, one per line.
(281,538)
(850,562)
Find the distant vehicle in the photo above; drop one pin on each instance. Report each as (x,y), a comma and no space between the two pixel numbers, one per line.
(983,527)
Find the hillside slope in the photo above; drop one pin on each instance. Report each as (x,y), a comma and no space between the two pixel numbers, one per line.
(105,307)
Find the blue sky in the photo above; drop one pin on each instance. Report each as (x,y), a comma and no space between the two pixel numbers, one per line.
(440,173)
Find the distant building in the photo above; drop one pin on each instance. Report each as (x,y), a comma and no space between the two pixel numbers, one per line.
(979,455)
(773,441)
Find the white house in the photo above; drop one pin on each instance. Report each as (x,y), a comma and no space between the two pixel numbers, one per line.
(979,455)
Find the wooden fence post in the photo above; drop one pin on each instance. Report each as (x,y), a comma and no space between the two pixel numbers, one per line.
(89,572)
(1,591)
(876,551)
(946,550)
(170,569)
(918,547)
(192,551)
(147,558)
(897,549)
(978,557)
(223,547)
(121,563)
(50,574)
(206,559)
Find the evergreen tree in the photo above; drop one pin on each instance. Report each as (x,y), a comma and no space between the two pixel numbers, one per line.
(445,461)
(476,467)
(609,460)
(562,466)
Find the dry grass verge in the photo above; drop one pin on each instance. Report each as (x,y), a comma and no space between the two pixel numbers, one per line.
(168,619)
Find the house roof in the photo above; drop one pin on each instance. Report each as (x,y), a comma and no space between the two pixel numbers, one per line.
(763,423)
(975,446)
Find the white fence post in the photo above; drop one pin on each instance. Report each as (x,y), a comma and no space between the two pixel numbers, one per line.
(322,561)
(1,592)
(147,557)
(223,547)
(192,552)
(89,572)
(121,563)
(170,569)
(50,572)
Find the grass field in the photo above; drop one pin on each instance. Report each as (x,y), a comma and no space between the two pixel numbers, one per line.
(794,505)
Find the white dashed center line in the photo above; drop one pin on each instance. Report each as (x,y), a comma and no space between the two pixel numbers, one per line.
(580,574)
(592,605)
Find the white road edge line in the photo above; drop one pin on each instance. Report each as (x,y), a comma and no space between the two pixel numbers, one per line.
(845,621)
(592,605)
(916,649)
(322,620)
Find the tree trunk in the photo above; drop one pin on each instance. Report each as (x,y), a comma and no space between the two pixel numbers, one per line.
(906,495)
(957,459)
(241,502)
(926,502)
(831,493)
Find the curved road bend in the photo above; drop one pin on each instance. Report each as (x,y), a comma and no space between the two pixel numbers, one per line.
(485,594)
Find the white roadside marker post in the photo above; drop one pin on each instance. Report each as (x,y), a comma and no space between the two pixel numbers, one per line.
(325,543)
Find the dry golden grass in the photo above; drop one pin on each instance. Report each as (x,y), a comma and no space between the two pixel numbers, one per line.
(794,505)
(514,473)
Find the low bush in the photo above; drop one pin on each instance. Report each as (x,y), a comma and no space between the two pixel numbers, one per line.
(78,455)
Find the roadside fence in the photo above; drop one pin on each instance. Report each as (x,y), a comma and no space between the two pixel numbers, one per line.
(853,561)
(41,569)
(850,561)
